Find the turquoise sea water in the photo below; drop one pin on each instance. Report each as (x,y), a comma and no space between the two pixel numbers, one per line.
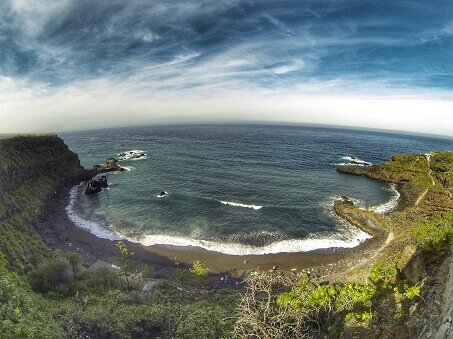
(236,189)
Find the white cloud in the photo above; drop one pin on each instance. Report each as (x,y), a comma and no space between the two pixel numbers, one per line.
(293,66)
(97,104)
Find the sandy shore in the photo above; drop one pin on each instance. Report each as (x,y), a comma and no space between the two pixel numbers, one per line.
(59,232)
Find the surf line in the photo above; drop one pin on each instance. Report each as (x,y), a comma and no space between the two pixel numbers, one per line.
(237,204)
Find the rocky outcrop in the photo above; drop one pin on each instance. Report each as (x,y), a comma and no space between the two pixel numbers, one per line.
(110,166)
(96,186)
(368,221)
(25,158)
(432,317)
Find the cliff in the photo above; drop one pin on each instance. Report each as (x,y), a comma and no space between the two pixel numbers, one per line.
(32,169)
(419,251)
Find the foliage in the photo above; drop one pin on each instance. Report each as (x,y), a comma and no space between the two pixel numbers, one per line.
(199,268)
(435,233)
(74,260)
(50,276)
(412,292)
(442,162)
(99,282)
(383,274)
(203,320)
(304,310)
(21,312)
(124,257)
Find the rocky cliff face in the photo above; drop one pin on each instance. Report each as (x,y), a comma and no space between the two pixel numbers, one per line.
(32,168)
(24,158)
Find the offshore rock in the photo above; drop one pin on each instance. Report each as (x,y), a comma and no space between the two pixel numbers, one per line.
(110,166)
(95,186)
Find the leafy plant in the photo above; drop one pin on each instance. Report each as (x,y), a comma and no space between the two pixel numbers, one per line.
(199,268)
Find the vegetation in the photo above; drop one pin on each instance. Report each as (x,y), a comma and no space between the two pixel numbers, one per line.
(435,233)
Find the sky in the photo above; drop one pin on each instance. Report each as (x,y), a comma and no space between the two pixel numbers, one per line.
(75,64)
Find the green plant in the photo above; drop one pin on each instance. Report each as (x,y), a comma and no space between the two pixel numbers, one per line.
(199,268)
(74,260)
(434,233)
(412,292)
(383,275)
(124,256)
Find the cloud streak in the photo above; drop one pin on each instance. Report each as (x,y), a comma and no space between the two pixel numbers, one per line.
(136,62)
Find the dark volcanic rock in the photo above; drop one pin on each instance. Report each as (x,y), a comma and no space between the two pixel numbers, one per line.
(110,166)
(95,186)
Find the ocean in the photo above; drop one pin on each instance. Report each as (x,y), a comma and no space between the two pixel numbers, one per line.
(235,189)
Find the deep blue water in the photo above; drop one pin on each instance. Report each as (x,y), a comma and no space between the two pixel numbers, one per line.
(280,179)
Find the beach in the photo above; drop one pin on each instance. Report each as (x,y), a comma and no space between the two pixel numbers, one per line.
(58,231)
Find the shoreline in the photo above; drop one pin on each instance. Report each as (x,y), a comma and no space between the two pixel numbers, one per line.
(62,233)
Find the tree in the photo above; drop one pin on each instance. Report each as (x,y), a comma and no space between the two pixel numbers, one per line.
(74,260)
(124,256)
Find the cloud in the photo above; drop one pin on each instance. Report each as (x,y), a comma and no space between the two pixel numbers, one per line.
(153,60)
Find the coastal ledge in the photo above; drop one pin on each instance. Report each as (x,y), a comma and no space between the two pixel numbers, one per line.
(368,221)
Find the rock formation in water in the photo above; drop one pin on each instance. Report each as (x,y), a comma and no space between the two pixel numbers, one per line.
(96,186)
(110,166)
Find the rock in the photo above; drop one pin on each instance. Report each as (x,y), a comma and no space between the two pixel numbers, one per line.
(95,186)
(110,166)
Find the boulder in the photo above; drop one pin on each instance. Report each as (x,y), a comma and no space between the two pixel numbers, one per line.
(95,186)
(110,166)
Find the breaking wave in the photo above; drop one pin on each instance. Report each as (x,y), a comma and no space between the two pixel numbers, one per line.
(94,227)
(237,204)
(100,230)
(389,205)
(132,155)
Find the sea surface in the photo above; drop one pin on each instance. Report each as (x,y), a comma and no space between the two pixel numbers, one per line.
(235,189)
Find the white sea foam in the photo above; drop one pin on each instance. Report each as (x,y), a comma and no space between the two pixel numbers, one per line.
(282,246)
(128,168)
(237,204)
(92,226)
(389,205)
(355,161)
(354,237)
(134,154)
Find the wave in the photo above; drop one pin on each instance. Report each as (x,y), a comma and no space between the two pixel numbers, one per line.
(282,246)
(94,227)
(229,248)
(132,155)
(389,205)
(351,160)
(237,204)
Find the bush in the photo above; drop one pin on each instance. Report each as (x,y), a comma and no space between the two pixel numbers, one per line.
(383,275)
(199,268)
(435,233)
(101,281)
(51,276)
(22,313)
(203,320)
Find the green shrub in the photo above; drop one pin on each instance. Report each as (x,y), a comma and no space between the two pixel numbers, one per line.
(199,268)
(101,281)
(412,292)
(306,298)
(383,274)
(203,320)
(51,276)
(435,233)
(23,314)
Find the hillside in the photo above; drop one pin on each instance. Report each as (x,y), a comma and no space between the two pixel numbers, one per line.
(31,170)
